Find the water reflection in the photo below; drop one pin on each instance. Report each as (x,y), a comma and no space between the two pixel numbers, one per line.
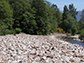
(75,42)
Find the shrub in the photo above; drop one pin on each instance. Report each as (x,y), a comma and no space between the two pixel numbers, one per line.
(63,31)
(12,31)
(18,30)
(68,34)
(82,34)
(2,32)
(9,31)
(40,33)
(52,31)
(74,31)
(59,29)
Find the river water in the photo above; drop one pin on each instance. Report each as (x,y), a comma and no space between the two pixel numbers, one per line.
(75,42)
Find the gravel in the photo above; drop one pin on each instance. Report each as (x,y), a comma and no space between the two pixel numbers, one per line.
(24,48)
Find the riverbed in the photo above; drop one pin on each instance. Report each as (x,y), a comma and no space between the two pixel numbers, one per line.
(25,48)
(71,39)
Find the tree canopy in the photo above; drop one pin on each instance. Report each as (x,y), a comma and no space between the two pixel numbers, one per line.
(37,17)
(6,14)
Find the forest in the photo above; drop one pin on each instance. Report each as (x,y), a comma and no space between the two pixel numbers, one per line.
(38,17)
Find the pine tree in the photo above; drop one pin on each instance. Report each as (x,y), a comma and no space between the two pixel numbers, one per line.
(68,23)
(73,11)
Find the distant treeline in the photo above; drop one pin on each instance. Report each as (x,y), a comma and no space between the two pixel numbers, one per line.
(38,17)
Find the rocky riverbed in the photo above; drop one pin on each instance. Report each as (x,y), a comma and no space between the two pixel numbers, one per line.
(24,48)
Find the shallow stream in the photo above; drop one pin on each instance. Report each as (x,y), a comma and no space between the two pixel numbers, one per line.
(75,42)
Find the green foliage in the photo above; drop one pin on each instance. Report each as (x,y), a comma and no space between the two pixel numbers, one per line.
(82,34)
(24,16)
(3,32)
(57,15)
(74,30)
(18,30)
(12,31)
(37,17)
(80,23)
(41,16)
(6,14)
(69,23)
(64,12)
(52,17)
(7,31)
(82,16)
(73,11)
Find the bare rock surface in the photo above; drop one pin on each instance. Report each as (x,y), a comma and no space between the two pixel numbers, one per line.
(24,48)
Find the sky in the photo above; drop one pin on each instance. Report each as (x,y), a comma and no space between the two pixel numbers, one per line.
(78,4)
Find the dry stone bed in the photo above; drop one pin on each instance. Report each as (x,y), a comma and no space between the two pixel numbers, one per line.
(24,48)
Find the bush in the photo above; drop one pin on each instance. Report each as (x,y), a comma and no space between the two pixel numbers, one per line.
(74,30)
(52,31)
(60,30)
(18,30)
(63,31)
(82,34)
(9,31)
(2,32)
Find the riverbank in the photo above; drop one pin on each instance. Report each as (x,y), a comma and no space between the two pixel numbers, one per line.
(24,48)
(65,36)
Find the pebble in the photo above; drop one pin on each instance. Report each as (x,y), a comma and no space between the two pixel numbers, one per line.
(24,48)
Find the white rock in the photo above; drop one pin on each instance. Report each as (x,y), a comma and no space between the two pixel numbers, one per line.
(14,62)
(3,52)
(33,52)
(44,57)
(37,59)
